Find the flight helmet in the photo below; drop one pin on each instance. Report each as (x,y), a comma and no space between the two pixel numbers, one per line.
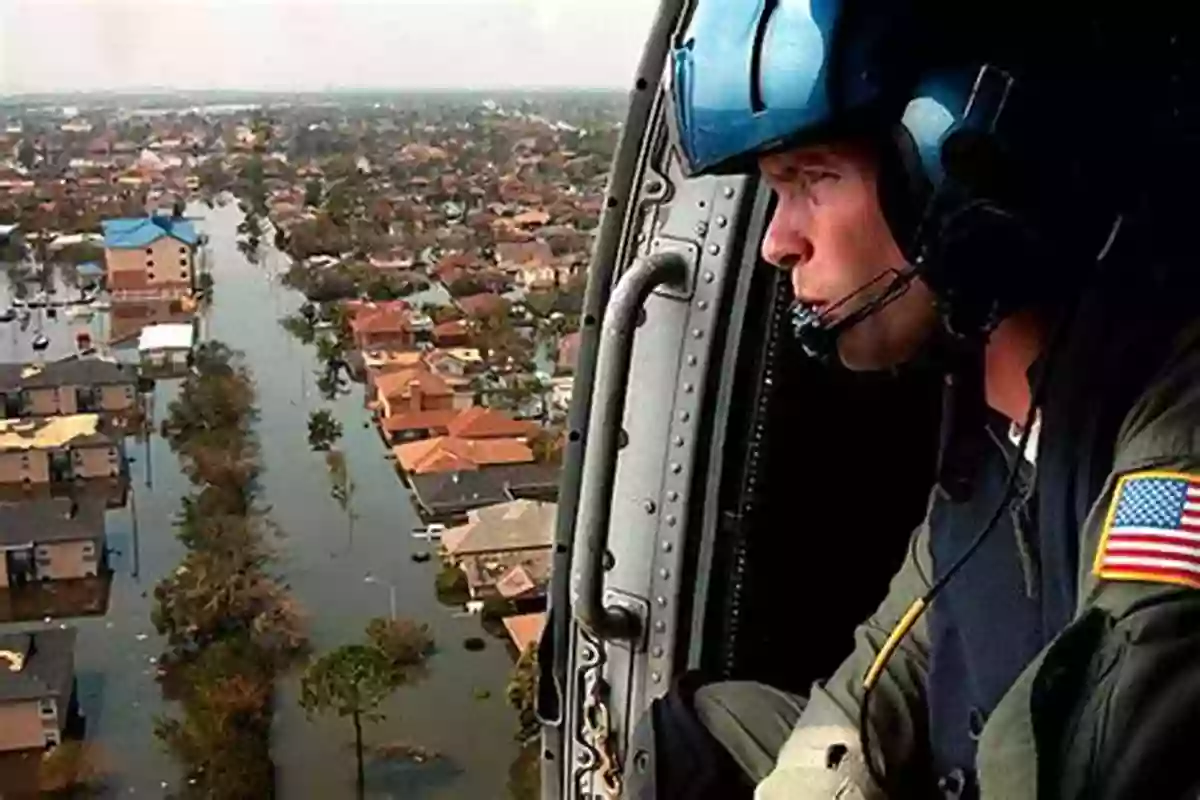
(963,140)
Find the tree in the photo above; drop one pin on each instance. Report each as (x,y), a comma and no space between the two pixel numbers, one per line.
(521,694)
(351,681)
(341,489)
(27,154)
(323,430)
(313,193)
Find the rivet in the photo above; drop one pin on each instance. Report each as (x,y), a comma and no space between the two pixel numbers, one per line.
(688,388)
(691,361)
(667,547)
(721,221)
(662,601)
(728,191)
(678,440)
(713,249)
(657,651)
(654,186)
(709,277)
(673,496)
(641,761)
(676,468)
(664,573)
(701,228)
(671,521)
(702,305)
(582,758)
(656,677)
(660,626)
(649,506)
(697,333)
(684,416)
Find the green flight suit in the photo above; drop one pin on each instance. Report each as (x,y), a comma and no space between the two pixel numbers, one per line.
(1110,708)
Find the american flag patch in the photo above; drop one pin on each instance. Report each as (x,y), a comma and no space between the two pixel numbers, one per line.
(1153,530)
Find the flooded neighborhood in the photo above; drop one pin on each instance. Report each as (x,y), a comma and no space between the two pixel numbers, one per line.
(285,391)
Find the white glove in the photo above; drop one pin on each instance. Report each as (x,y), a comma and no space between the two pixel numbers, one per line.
(811,768)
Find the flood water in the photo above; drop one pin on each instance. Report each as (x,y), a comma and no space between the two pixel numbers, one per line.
(459,711)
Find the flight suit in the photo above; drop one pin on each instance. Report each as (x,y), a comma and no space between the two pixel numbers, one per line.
(1039,672)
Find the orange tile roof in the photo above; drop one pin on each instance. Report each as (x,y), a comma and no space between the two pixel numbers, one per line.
(449,453)
(478,422)
(438,419)
(380,320)
(398,383)
(526,629)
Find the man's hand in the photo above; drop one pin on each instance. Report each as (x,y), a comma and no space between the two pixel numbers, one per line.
(810,768)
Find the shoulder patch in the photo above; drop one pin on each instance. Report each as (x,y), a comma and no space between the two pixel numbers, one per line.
(1152,532)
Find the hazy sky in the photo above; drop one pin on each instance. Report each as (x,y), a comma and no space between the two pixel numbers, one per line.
(49,45)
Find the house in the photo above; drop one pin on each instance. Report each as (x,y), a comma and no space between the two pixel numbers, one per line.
(452,454)
(57,449)
(453,333)
(150,257)
(455,363)
(52,538)
(382,327)
(167,346)
(37,688)
(416,389)
(69,386)
(504,550)
(442,495)
(475,422)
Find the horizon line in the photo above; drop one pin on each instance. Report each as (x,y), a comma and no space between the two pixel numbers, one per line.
(312,90)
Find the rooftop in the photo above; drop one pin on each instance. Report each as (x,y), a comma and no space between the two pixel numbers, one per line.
(136,232)
(53,519)
(36,664)
(52,432)
(167,336)
(68,372)
(518,525)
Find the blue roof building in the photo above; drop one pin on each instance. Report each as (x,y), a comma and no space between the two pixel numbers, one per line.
(139,232)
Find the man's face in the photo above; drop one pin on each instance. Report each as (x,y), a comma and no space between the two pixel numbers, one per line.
(829,232)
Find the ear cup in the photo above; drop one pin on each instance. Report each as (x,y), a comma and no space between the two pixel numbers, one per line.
(904,189)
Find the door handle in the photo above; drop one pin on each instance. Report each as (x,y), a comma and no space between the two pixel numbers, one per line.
(600,447)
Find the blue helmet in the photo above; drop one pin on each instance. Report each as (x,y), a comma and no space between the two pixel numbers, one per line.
(750,77)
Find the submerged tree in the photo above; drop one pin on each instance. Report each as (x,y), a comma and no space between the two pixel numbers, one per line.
(352,681)
(341,489)
(323,430)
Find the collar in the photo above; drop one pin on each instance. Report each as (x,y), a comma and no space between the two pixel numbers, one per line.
(1031,447)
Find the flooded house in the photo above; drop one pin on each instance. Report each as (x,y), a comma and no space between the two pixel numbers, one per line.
(55,449)
(504,550)
(70,386)
(52,538)
(37,688)
(151,257)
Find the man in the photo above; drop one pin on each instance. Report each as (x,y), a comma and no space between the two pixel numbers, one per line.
(1060,652)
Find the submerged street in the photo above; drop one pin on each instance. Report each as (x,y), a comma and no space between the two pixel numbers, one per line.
(458,711)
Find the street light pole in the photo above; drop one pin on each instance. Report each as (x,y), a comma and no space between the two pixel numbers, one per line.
(391,594)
